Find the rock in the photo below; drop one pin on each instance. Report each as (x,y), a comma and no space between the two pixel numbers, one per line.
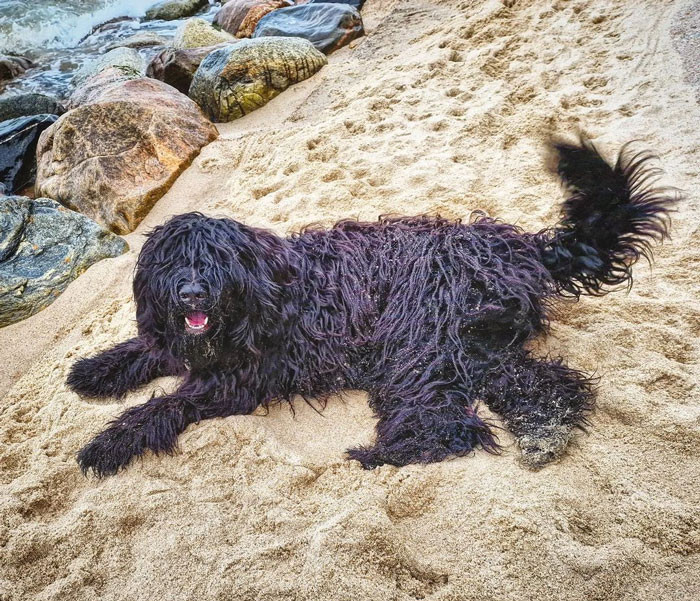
(176,67)
(96,85)
(43,247)
(256,13)
(239,17)
(23,105)
(139,40)
(110,25)
(327,26)
(12,66)
(18,140)
(168,10)
(126,60)
(114,158)
(233,81)
(357,4)
(231,15)
(196,33)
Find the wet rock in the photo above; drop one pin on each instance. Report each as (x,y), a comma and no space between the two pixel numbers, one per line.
(126,60)
(113,158)
(110,25)
(176,67)
(169,10)
(357,4)
(43,247)
(256,13)
(139,40)
(327,26)
(18,140)
(12,66)
(196,33)
(231,15)
(233,81)
(23,105)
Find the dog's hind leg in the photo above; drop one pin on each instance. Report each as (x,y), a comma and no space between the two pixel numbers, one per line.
(541,402)
(124,367)
(424,426)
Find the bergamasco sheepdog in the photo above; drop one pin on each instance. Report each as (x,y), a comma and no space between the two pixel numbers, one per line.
(429,316)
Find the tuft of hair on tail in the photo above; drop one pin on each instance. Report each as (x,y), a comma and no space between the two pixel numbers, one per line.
(612,216)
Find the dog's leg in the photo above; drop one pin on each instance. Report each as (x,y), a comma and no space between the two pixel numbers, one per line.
(156,424)
(541,402)
(424,426)
(124,367)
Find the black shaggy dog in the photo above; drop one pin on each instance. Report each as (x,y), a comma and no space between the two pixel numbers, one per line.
(427,315)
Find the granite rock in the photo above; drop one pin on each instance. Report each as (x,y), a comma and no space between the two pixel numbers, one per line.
(18,141)
(43,247)
(256,13)
(126,60)
(113,158)
(196,33)
(176,67)
(169,10)
(327,26)
(23,105)
(11,66)
(233,81)
(142,39)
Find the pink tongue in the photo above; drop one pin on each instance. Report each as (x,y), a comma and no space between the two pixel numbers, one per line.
(197,318)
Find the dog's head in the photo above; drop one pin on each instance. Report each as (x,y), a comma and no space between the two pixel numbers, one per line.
(210,288)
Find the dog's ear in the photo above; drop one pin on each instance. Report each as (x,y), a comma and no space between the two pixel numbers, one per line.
(151,311)
(261,268)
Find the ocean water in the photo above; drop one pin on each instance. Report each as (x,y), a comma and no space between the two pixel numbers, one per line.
(30,27)
(59,35)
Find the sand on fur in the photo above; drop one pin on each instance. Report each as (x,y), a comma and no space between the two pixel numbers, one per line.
(444,107)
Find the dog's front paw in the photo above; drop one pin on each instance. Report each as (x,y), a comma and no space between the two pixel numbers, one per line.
(107,453)
(544,445)
(94,378)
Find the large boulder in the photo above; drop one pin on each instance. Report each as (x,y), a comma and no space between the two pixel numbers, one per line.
(23,105)
(196,33)
(11,66)
(233,81)
(18,140)
(114,158)
(127,60)
(176,67)
(43,247)
(231,15)
(168,10)
(327,26)
(256,13)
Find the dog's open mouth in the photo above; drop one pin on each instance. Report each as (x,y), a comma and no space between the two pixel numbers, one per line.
(196,322)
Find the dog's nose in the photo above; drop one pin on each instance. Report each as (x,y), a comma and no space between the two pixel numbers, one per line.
(192,293)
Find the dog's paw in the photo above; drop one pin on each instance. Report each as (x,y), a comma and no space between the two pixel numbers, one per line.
(94,378)
(544,445)
(107,454)
(368,457)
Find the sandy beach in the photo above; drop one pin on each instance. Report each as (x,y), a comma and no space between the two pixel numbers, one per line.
(443,107)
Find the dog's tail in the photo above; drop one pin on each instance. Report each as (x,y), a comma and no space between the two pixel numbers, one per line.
(610,219)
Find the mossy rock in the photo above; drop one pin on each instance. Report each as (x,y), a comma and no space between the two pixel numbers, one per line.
(236,80)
